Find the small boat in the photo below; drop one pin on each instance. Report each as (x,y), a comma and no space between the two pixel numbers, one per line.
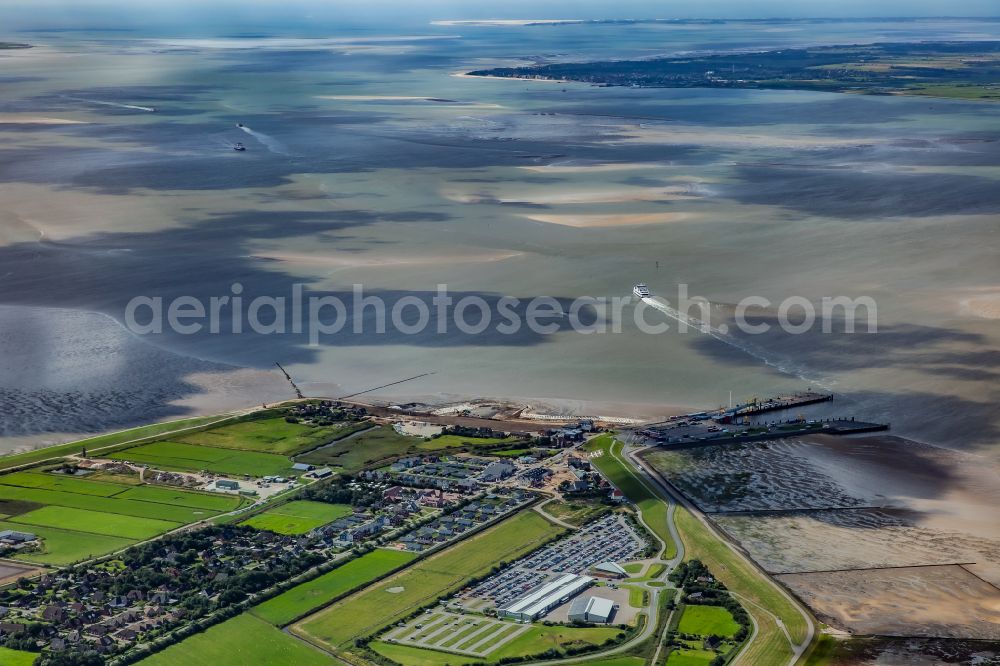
(239,147)
(240,125)
(641,290)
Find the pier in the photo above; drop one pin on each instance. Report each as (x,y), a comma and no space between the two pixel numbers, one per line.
(773,404)
(702,435)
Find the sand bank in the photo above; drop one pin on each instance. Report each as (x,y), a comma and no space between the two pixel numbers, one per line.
(614,220)
(734,139)
(355,261)
(592,168)
(582,196)
(502,22)
(984,306)
(30,119)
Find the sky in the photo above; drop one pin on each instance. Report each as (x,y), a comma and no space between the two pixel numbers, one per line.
(37,14)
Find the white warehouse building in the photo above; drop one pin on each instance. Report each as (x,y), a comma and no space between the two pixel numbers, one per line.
(544,598)
(591,609)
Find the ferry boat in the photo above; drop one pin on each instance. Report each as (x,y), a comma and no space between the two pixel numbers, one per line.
(641,290)
(239,147)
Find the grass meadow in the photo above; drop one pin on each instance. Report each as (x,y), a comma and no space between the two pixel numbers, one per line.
(373,608)
(239,641)
(298,517)
(301,599)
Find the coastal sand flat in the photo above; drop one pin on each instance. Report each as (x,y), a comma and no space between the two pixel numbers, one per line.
(724,139)
(592,168)
(31,119)
(582,196)
(939,601)
(350,261)
(619,220)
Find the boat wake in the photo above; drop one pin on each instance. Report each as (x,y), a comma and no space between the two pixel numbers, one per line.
(120,105)
(265,140)
(722,334)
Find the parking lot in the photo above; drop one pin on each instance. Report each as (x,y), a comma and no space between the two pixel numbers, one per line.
(610,538)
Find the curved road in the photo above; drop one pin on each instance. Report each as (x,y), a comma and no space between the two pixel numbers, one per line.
(797,649)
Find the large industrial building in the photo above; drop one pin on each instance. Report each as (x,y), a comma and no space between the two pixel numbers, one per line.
(544,598)
(591,609)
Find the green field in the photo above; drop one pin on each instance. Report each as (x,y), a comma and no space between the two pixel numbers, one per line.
(414,656)
(70,484)
(302,599)
(298,517)
(653,508)
(95,522)
(610,661)
(684,657)
(178,456)
(94,443)
(382,444)
(456,441)
(636,596)
(364,450)
(511,453)
(239,641)
(707,620)
(534,641)
(61,547)
(576,512)
(80,518)
(373,608)
(179,514)
(541,638)
(274,435)
(10,657)
(186,498)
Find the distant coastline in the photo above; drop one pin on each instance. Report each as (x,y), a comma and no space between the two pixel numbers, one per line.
(960,70)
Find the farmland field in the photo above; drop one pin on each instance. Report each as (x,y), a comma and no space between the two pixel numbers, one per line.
(707,620)
(298,517)
(373,608)
(371,446)
(177,497)
(94,443)
(313,594)
(80,518)
(96,522)
(382,444)
(66,546)
(274,435)
(125,507)
(237,642)
(178,456)
(70,484)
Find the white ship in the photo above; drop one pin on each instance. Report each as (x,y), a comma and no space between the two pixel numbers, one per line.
(641,290)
